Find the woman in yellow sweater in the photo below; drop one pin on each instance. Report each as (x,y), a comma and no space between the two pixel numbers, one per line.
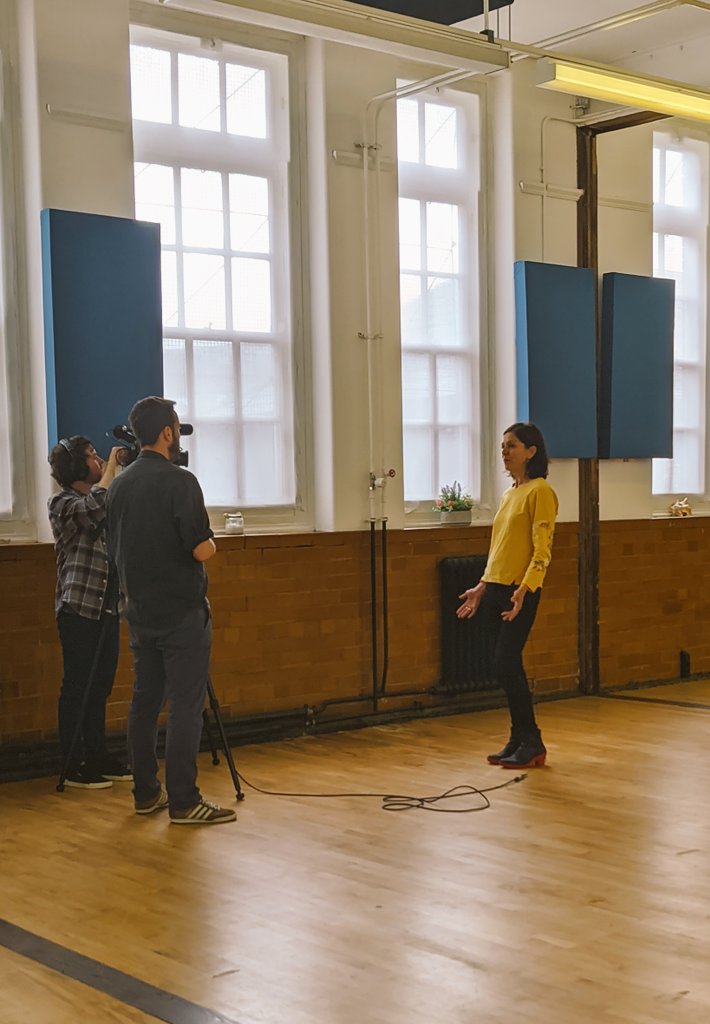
(510,588)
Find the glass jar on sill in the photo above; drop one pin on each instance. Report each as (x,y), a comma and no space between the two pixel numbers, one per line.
(233,522)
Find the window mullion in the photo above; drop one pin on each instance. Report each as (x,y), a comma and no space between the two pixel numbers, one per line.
(227,222)
(434,415)
(179,248)
(240,439)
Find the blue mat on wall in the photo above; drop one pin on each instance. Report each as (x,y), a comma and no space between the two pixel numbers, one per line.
(103,321)
(555,309)
(636,382)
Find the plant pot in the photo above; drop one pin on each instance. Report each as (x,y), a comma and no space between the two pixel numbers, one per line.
(462,518)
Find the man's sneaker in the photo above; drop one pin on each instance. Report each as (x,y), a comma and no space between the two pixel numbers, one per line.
(159,801)
(204,813)
(86,778)
(116,771)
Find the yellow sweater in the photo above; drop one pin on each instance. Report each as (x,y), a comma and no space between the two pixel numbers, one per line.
(521,542)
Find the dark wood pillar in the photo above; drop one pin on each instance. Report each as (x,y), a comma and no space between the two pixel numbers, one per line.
(588,538)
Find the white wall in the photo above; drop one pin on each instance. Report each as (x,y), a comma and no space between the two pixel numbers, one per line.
(546,230)
(625,166)
(74,56)
(545,154)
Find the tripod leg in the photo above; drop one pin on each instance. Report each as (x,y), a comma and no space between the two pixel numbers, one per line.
(82,709)
(214,704)
(210,736)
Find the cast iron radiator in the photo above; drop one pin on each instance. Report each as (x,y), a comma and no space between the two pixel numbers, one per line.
(466,644)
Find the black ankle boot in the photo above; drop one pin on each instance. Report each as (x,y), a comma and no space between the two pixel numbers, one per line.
(530,754)
(507,751)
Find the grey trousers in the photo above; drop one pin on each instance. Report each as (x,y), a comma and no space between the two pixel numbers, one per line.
(171,667)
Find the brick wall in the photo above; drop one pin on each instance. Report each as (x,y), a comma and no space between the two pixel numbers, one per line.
(292,617)
(291,623)
(654,598)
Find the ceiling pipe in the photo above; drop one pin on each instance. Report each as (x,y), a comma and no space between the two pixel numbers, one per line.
(462,46)
(619,20)
(603,25)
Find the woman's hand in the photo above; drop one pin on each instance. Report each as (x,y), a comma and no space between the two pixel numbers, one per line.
(517,603)
(471,600)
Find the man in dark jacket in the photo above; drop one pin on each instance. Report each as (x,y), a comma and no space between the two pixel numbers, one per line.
(160,538)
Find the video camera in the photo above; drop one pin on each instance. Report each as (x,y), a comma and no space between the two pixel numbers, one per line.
(131,446)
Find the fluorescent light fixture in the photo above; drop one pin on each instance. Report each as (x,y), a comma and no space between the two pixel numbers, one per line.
(640,91)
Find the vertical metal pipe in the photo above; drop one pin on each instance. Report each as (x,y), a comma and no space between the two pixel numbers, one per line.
(385,610)
(373,608)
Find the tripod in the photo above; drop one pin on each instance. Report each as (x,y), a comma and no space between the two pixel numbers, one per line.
(216,712)
(213,702)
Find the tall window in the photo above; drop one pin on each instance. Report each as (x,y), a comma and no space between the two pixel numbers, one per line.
(680,225)
(439,184)
(15,520)
(211,140)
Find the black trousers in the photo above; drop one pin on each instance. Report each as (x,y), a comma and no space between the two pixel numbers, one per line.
(79,637)
(510,638)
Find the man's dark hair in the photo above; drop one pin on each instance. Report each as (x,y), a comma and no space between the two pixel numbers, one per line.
(149,416)
(530,435)
(68,459)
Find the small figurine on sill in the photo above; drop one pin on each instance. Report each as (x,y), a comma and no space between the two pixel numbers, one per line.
(681,508)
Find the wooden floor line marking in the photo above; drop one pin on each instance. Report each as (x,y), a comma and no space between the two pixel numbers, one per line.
(141,996)
(654,700)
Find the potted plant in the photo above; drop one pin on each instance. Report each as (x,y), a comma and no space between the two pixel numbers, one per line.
(453,504)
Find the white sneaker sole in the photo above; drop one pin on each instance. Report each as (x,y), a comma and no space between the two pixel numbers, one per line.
(203,821)
(105,784)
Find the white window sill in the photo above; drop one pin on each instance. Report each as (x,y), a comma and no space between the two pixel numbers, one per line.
(700,513)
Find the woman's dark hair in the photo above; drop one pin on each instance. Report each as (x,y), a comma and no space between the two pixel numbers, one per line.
(68,459)
(149,416)
(529,435)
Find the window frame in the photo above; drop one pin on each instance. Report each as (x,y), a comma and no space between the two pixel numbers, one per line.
(168,29)
(682,130)
(18,523)
(420,513)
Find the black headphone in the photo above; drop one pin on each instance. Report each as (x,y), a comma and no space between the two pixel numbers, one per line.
(78,469)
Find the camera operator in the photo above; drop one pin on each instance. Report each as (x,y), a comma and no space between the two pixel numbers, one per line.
(160,538)
(85,606)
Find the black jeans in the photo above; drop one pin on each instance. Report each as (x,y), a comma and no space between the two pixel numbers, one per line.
(510,638)
(171,665)
(79,637)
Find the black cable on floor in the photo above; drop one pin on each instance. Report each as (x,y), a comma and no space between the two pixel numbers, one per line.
(401,802)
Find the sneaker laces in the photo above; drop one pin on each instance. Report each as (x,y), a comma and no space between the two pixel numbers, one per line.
(212,806)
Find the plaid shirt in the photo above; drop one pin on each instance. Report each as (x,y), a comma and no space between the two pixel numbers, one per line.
(77,522)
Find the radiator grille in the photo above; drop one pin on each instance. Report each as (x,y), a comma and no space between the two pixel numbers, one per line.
(466,645)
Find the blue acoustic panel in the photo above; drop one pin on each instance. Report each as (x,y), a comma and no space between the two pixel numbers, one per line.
(555,332)
(102,321)
(636,382)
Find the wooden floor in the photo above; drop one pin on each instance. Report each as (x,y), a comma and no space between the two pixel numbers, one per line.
(582,895)
(696,691)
